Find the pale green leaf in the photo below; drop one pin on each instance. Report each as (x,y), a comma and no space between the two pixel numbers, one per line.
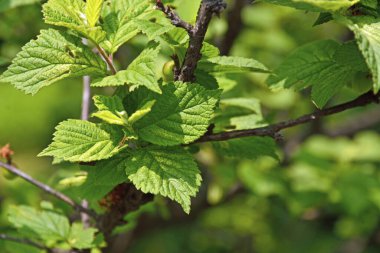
(93,9)
(111,110)
(316,5)
(170,172)
(248,148)
(50,58)
(80,238)
(119,21)
(180,115)
(72,14)
(47,225)
(151,29)
(251,104)
(141,72)
(82,141)
(231,64)
(368,39)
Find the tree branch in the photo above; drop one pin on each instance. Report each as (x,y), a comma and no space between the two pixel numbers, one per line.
(107,59)
(23,241)
(273,130)
(197,35)
(235,25)
(47,189)
(173,17)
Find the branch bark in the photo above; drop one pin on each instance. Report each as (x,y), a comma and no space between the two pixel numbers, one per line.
(47,189)
(273,130)
(173,17)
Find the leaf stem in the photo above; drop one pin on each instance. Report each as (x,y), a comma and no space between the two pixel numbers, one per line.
(107,59)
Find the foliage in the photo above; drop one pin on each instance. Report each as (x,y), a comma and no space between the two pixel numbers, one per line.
(147,128)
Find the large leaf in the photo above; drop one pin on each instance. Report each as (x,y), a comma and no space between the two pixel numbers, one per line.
(119,21)
(180,115)
(368,39)
(325,65)
(231,64)
(141,72)
(103,177)
(72,14)
(170,172)
(316,5)
(82,141)
(50,58)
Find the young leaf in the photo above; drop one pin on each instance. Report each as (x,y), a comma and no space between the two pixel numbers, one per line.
(80,238)
(231,64)
(170,172)
(119,21)
(82,141)
(93,9)
(141,72)
(111,110)
(248,148)
(50,58)
(180,115)
(71,14)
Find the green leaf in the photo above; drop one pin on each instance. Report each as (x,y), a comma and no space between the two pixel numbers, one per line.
(80,238)
(141,72)
(9,4)
(368,39)
(82,141)
(119,21)
(316,5)
(251,104)
(151,29)
(324,65)
(180,115)
(170,172)
(103,177)
(248,148)
(231,64)
(52,57)
(48,225)
(111,110)
(93,9)
(72,14)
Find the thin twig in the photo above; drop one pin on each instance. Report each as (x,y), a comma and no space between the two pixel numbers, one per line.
(273,130)
(173,17)
(47,189)
(107,58)
(23,241)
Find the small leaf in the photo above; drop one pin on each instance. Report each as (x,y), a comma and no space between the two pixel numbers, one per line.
(93,9)
(52,57)
(111,110)
(170,172)
(231,64)
(81,238)
(82,141)
(141,72)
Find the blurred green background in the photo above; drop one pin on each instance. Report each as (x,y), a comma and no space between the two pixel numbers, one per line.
(323,196)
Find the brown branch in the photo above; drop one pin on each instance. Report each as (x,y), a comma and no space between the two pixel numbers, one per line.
(107,58)
(273,130)
(197,35)
(235,25)
(23,241)
(173,17)
(47,189)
